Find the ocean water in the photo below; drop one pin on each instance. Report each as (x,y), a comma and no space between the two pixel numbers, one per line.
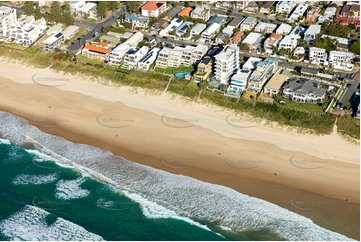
(52,189)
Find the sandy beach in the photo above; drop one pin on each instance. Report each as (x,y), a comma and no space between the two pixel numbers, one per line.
(293,170)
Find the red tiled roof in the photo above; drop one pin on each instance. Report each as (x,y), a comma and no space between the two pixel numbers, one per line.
(237,36)
(185,11)
(97,49)
(102,43)
(152,5)
(276,36)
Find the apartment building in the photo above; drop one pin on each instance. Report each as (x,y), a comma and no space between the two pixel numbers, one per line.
(153,8)
(226,63)
(133,56)
(284,29)
(272,42)
(341,60)
(350,14)
(147,60)
(303,90)
(117,54)
(299,13)
(204,69)
(209,33)
(7,19)
(274,85)
(173,25)
(238,82)
(99,51)
(288,42)
(285,7)
(248,24)
(27,30)
(53,42)
(317,56)
(312,32)
(265,27)
(260,76)
(201,12)
(253,40)
(329,14)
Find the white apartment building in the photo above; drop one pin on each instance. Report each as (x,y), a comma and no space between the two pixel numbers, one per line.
(117,54)
(298,13)
(265,27)
(26,31)
(317,56)
(132,57)
(288,42)
(53,42)
(174,24)
(260,76)
(341,59)
(180,56)
(226,63)
(209,33)
(312,32)
(154,8)
(7,19)
(285,7)
(147,60)
(284,29)
(239,82)
(248,24)
(201,12)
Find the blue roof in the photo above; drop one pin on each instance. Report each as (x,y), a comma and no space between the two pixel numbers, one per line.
(136,18)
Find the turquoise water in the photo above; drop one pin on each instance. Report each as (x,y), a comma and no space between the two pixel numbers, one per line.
(53,189)
(98,208)
(182,74)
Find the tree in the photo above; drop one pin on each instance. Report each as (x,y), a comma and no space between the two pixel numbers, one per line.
(102,8)
(37,11)
(133,6)
(325,43)
(67,18)
(244,46)
(284,52)
(55,12)
(29,8)
(355,47)
(113,5)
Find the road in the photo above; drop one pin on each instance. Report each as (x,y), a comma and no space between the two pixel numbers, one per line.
(95,29)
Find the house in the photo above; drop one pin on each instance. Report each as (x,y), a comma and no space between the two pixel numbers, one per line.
(312,15)
(317,56)
(160,24)
(248,24)
(226,63)
(297,32)
(53,42)
(265,69)
(299,51)
(236,37)
(221,38)
(350,14)
(100,51)
(201,12)
(153,8)
(217,19)
(228,31)
(329,14)
(235,23)
(251,63)
(89,10)
(271,43)
(76,6)
(27,30)
(284,29)
(253,40)
(133,56)
(285,7)
(299,13)
(111,40)
(265,27)
(204,69)
(147,60)
(185,12)
(303,90)
(117,54)
(197,29)
(252,7)
(137,22)
(181,30)
(209,33)
(312,32)
(238,82)
(172,13)
(7,19)
(274,85)
(173,25)
(288,42)
(70,31)
(341,60)
(266,7)
(241,4)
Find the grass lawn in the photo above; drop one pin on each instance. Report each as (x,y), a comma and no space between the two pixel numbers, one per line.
(85,60)
(349,126)
(174,70)
(305,107)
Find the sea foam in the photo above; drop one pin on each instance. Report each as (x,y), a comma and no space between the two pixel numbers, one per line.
(30,224)
(25,179)
(183,196)
(70,189)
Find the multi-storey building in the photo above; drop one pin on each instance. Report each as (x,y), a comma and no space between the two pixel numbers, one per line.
(239,82)
(289,42)
(226,63)
(312,32)
(299,13)
(153,8)
(26,31)
(317,56)
(303,90)
(133,56)
(341,59)
(147,60)
(7,19)
(285,7)
(260,76)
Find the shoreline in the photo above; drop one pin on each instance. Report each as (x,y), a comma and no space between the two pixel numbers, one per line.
(245,164)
